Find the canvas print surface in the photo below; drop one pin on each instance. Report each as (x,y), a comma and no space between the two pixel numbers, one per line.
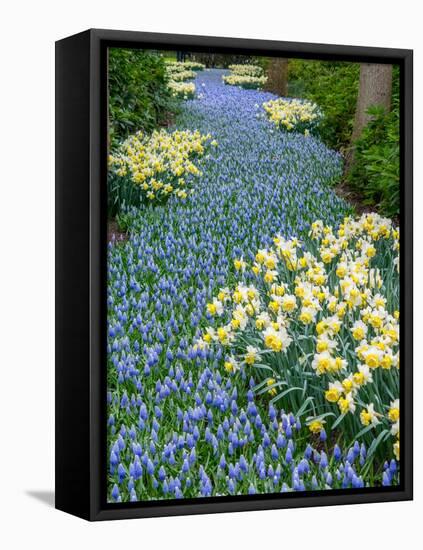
(253,275)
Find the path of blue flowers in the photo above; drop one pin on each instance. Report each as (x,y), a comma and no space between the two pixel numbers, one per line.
(179,426)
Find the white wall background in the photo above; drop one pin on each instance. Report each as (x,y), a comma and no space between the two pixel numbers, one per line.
(28,31)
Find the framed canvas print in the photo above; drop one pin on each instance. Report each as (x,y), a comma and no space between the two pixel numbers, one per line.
(232,308)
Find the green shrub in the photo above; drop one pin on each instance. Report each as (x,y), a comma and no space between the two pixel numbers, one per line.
(376,171)
(121,195)
(139,97)
(334,87)
(262,62)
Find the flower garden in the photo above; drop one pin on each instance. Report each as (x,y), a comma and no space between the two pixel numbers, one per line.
(253,317)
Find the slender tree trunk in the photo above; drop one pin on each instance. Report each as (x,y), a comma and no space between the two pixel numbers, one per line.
(277,76)
(375,89)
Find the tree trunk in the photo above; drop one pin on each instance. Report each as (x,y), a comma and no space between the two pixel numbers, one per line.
(277,76)
(375,89)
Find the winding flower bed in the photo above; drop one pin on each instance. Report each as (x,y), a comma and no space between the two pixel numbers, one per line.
(182,423)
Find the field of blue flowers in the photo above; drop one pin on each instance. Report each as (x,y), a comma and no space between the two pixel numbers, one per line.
(180,424)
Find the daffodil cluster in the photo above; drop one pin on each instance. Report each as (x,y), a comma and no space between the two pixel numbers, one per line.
(179,66)
(178,73)
(161,164)
(181,76)
(293,115)
(194,65)
(245,76)
(321,314)
(183,90)
(246,70)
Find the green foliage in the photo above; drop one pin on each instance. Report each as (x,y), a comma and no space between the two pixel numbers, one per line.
(123,220)
(139,97)
(263,62)
(334,87)
(376,170)
(121,194)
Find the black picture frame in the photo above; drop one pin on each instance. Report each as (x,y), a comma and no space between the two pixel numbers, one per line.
(81,238)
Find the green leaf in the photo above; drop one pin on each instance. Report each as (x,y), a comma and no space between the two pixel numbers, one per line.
(304,406)
(338,420)
(281,395)
(375,443)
